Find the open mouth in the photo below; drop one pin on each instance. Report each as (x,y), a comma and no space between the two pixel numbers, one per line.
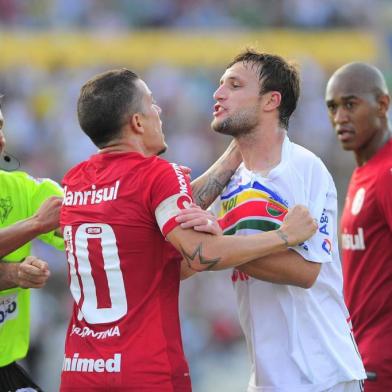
(218,109)
(345,134)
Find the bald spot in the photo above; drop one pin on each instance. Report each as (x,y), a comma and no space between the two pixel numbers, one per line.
(358,78)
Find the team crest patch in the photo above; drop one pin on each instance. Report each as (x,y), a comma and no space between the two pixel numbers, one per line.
(5,208)
(358,200)
(273,209)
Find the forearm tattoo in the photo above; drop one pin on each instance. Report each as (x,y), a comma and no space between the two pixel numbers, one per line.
(197,259)
(213,187)
(283,236)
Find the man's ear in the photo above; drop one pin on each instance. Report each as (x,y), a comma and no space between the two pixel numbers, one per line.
(136,122)
(383,104)
(272,100)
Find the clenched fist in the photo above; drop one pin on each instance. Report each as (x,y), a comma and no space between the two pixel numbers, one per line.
(32,273)
(48,215)
(298,225)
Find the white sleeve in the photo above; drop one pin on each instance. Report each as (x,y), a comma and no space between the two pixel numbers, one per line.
(322,203)
(168,209)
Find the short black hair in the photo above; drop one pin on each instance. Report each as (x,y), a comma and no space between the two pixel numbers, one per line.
(275,74)
(105,101)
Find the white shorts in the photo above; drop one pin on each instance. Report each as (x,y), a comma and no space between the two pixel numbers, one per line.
(352,386)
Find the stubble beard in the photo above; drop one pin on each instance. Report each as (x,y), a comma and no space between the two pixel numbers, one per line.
(237,125)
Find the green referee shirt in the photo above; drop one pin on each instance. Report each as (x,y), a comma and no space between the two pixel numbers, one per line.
(20,197)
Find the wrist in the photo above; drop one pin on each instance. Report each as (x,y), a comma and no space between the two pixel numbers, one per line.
(9,273)
(36,225)
(283,236)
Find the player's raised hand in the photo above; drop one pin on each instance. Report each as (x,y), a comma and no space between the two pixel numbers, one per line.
(32,273)
(48,215)
(298,225)
(199,219)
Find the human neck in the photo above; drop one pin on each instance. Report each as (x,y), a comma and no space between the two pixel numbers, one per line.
(364,154)
(262,149)
(123,145)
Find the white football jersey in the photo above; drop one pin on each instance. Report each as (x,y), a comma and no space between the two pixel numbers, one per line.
(299,340)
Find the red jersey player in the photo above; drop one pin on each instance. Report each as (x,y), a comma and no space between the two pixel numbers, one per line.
(118,220)
(358,102)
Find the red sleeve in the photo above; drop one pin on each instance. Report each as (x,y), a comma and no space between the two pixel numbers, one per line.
(170,193)
(384,194)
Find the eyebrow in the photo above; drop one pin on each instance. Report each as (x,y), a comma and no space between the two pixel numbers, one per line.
(344,98)
(230,78)
(347,97)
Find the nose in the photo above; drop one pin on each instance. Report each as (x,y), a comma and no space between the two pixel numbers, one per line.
(219,93)
(340,116)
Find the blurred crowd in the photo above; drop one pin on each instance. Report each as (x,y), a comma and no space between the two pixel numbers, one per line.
(43,133)
(132,14)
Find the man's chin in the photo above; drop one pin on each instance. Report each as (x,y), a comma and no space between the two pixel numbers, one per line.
(347,146)
(219,127)
(162,151)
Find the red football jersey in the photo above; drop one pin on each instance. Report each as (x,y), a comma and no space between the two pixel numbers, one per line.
(124,276)
(366,228)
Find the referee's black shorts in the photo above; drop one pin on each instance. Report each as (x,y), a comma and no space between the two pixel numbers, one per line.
(13,378)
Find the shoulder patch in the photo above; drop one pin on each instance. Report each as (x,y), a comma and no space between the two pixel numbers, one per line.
(5,208)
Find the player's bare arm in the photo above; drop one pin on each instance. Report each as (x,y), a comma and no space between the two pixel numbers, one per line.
(43,221)
(208,186)
(208,252)
(200,220)
(31,273)
(287,267)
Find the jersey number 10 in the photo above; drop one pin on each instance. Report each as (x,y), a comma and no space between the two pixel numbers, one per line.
(97,283)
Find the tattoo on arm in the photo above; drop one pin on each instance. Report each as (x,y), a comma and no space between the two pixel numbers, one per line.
(283,236)
(206,194)
(198,258)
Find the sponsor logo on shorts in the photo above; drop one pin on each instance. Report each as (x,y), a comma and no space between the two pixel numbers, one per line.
(97,365)
(87,332)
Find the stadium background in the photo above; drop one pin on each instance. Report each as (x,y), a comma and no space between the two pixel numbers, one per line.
(48,48)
